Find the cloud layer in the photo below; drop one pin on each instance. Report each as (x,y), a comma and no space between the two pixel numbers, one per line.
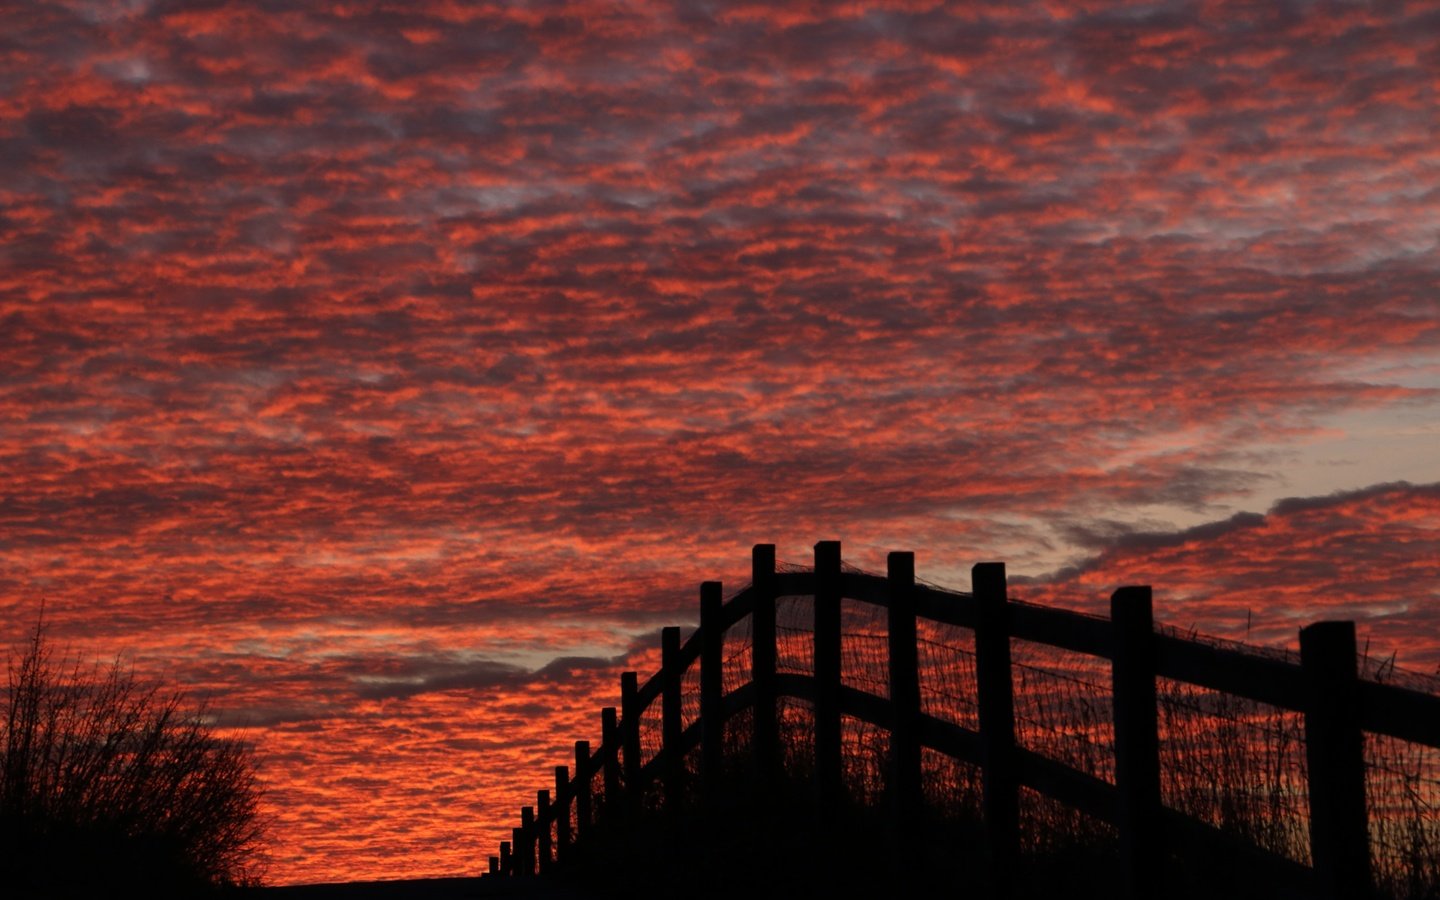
(359,360)
(1370,555)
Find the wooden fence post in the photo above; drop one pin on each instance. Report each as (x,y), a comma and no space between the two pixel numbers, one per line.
(671,718)
(829,776)
(563,798)
(630,739)
(712,689)
(1335,758)
(584,799)
(507,861)
(610,760)
(904,690)
(1000,788)
(526,863)
(762,671)
(545,847)
(1137,742)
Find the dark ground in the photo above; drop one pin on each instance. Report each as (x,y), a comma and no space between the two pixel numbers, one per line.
(425,889)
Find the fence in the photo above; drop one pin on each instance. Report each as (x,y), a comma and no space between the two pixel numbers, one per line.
(931,695)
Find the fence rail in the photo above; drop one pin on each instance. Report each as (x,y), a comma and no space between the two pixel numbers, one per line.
(1324,687)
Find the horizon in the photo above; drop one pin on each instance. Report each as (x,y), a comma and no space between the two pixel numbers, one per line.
(392,377)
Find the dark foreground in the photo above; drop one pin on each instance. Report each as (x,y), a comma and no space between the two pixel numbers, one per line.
(426,889)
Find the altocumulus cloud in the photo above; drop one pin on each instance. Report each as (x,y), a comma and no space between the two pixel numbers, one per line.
(360,365)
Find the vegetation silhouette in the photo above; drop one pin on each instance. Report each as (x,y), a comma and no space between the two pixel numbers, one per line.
(779,842)
(110,786)
(785,841)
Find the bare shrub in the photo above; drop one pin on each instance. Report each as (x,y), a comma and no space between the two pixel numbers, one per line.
(108,784)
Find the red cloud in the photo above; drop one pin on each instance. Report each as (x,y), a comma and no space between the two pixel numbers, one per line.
(336,338)
(1368,555)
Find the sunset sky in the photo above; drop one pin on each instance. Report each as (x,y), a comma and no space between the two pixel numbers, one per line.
(391,372)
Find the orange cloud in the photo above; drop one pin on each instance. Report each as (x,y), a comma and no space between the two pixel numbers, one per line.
(356,364)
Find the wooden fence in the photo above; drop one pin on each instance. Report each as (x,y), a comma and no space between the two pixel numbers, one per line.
(1338,707)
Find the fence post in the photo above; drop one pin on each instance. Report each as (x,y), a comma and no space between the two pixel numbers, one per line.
(1335,758)
(1137,741)
(610,760)
(630,738)
(828,773)
(671,719)
(526,837)
(762,671)
(1000,788)
(545,848)
(562,813)
(904,689)
(712,688)
(583,798)
(507,861)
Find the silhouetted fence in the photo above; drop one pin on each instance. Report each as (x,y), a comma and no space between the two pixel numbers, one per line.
(963,706)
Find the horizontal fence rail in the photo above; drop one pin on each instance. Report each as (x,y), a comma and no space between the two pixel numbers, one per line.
(1336,711)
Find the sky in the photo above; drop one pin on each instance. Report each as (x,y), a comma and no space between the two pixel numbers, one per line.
(390,372)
